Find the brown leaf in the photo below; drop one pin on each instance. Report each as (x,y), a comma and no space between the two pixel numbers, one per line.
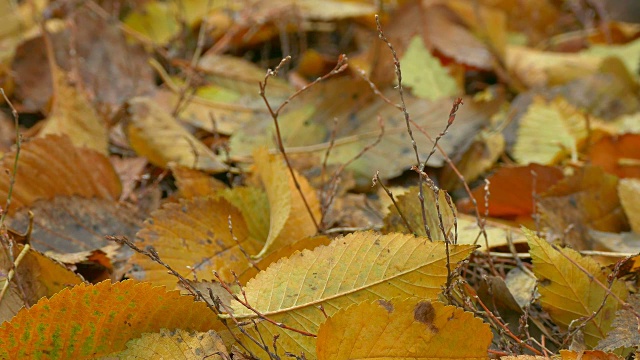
(52,166)
(586,200)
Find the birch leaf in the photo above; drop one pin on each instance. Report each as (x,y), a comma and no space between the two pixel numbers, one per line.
(362,266)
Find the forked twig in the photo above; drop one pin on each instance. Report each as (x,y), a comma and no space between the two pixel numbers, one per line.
(340,67)
(376,180)
(246,304)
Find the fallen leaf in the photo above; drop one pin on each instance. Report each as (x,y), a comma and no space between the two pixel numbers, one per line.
(548,132)
(436,207)
(289,219)
(586,200)
(175,344)
(53,166)
(157,136)
(511,190)
(38,275)
(96,320)
(568,294)
(70,224)
(359,267)
(430,330)
(424,74)
(193,237)
(624,329)
(618,155)
(629,193)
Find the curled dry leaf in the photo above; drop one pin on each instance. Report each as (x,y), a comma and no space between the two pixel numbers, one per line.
(53,166)
(430,330)
(569,294)
(156,135)
(96,320)
(289,219)
(175,344)
(193,237)
(362,266)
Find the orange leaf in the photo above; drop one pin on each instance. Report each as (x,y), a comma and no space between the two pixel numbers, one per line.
(95,320)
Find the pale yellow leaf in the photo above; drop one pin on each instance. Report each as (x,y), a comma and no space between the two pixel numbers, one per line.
(403,329)
(424,74)
(175,344)
(548,132)
(362,266)
(289,219)
(156,135)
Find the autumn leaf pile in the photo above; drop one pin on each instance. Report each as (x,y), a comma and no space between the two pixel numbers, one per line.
(315,179)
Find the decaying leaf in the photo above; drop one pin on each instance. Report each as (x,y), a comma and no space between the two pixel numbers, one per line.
(586,200)
(360,267)
(568,294)
(194,183)
(618,155)
(96,320)
(624,333)
(430,330)
(175,344)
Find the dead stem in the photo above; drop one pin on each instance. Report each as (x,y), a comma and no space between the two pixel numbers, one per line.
(340,67)
(336,175)
(376,180)
(407,119)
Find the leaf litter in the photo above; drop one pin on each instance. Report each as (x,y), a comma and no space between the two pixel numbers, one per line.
(164,194)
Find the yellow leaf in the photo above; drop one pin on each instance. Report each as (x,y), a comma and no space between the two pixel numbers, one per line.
(629,193)
(430,330)
(569,294)
(548,132)
(194,238)
(289,219)
(157,136)
(254,206)
(194,183)
(178,344)
(359,267)
(425,75)
(95,320)
(410,207)
(73,115)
